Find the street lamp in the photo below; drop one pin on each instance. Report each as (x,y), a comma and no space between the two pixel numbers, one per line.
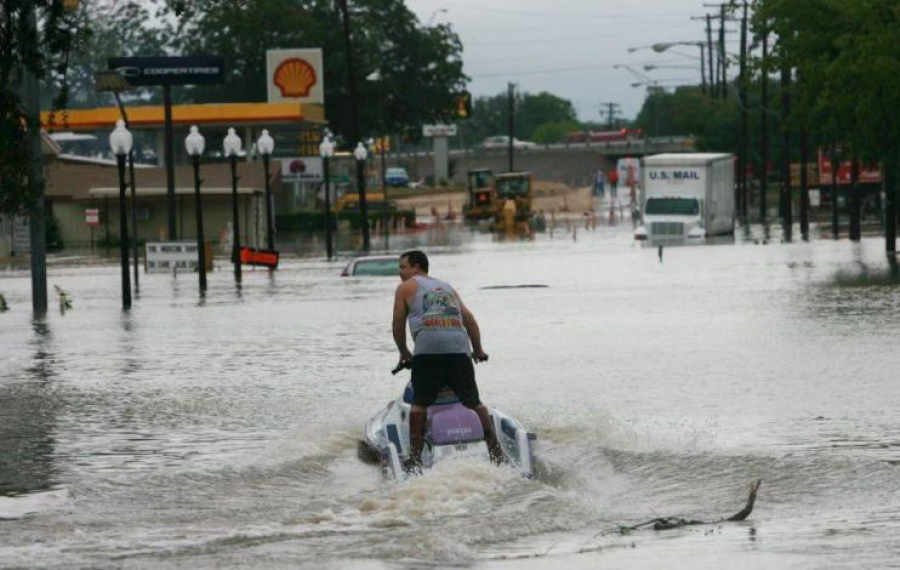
(266,145)
(326,150)
(376,76)
(651,67)
(195,143)
(661,47)
(120,141)
(113,82)
(361,154)
(232,146)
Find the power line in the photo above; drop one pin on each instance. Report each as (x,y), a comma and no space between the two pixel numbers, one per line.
(568,15)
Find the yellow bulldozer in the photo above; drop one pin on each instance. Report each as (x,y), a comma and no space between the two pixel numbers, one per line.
(480,203)
(513,193)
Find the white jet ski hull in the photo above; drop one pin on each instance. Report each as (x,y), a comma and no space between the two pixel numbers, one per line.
(387,439)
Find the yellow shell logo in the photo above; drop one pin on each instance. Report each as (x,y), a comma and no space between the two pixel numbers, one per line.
(295,77)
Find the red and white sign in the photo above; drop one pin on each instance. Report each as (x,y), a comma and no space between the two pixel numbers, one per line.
(868,174)
(92,216)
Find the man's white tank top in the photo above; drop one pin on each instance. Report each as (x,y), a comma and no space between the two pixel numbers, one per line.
(435,319)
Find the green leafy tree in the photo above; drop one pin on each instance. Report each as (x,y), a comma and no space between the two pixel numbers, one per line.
(420,67)
(490,115)
(845,58)
(554,132)
(118,28)
(43,51)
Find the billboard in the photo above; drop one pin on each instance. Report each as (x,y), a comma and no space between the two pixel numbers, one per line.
(191,70)
(295,75)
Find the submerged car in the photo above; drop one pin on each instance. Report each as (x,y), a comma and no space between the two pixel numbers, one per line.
(373,265)
(396,177)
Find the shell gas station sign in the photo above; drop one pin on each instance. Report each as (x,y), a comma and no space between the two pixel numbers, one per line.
(295,75)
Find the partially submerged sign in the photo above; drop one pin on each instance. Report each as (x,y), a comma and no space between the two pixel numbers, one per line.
(169,256)
(190,70)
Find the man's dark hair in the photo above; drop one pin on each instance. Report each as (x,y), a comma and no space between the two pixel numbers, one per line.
(416,257)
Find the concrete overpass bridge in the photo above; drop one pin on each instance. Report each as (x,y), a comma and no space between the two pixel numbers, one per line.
(573,163)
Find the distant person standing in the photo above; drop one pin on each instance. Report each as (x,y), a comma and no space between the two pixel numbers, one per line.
(613,179)
(599,182)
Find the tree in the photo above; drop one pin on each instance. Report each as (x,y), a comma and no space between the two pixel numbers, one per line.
(554,131)
(491,114)
(118,28)
(420,67)
(847,62)
(41,50)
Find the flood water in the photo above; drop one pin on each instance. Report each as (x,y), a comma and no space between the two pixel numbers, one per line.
(222,433)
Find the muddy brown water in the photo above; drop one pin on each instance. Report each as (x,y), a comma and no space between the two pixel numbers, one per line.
(222,432)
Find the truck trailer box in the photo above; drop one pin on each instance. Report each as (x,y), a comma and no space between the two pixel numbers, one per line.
(686,197)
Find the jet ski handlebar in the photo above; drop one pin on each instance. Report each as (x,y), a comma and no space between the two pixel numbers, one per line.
(406,364)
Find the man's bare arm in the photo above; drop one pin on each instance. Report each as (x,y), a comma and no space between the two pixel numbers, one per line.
(473,331)
(399,321)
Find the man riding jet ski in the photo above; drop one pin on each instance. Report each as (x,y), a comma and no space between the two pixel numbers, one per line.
(442,328)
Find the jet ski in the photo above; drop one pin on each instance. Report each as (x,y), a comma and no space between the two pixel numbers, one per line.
(452,430)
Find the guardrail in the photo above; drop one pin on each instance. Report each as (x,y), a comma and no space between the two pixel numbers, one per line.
(640,146)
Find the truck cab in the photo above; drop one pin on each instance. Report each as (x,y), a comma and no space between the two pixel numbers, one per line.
(672,218)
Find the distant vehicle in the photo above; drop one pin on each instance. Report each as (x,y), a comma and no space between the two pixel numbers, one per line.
(480,205)
(396,177)
(517,187)
(502,141)
(619,136)
(687,197)
(373,265)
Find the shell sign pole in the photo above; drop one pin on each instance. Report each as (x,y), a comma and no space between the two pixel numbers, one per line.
(295,75)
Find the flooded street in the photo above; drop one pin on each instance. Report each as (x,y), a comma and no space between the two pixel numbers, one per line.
(223,433)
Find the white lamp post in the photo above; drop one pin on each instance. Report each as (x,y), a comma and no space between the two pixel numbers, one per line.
(265,144)
(361,154)
(326,151)
(232,147)
(120,142)
(194,143)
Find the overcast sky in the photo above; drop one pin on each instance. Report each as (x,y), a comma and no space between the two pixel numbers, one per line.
(569,47)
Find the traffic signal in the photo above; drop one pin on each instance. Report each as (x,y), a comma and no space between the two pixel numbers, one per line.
(464,105)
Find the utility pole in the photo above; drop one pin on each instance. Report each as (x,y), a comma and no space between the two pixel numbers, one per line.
(611,110)
(804,184)
(713,90)
(764,126)
(32,101)
(835,213)
(890,205)
(703,84)
(354,121)
(512,123)
(742,95)
(855,229)
(723,60)
(786,214)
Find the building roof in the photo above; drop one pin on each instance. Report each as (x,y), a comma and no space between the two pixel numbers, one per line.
(153,116)
(84,181)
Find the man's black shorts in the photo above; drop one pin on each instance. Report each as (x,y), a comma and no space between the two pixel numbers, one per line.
(431,372)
